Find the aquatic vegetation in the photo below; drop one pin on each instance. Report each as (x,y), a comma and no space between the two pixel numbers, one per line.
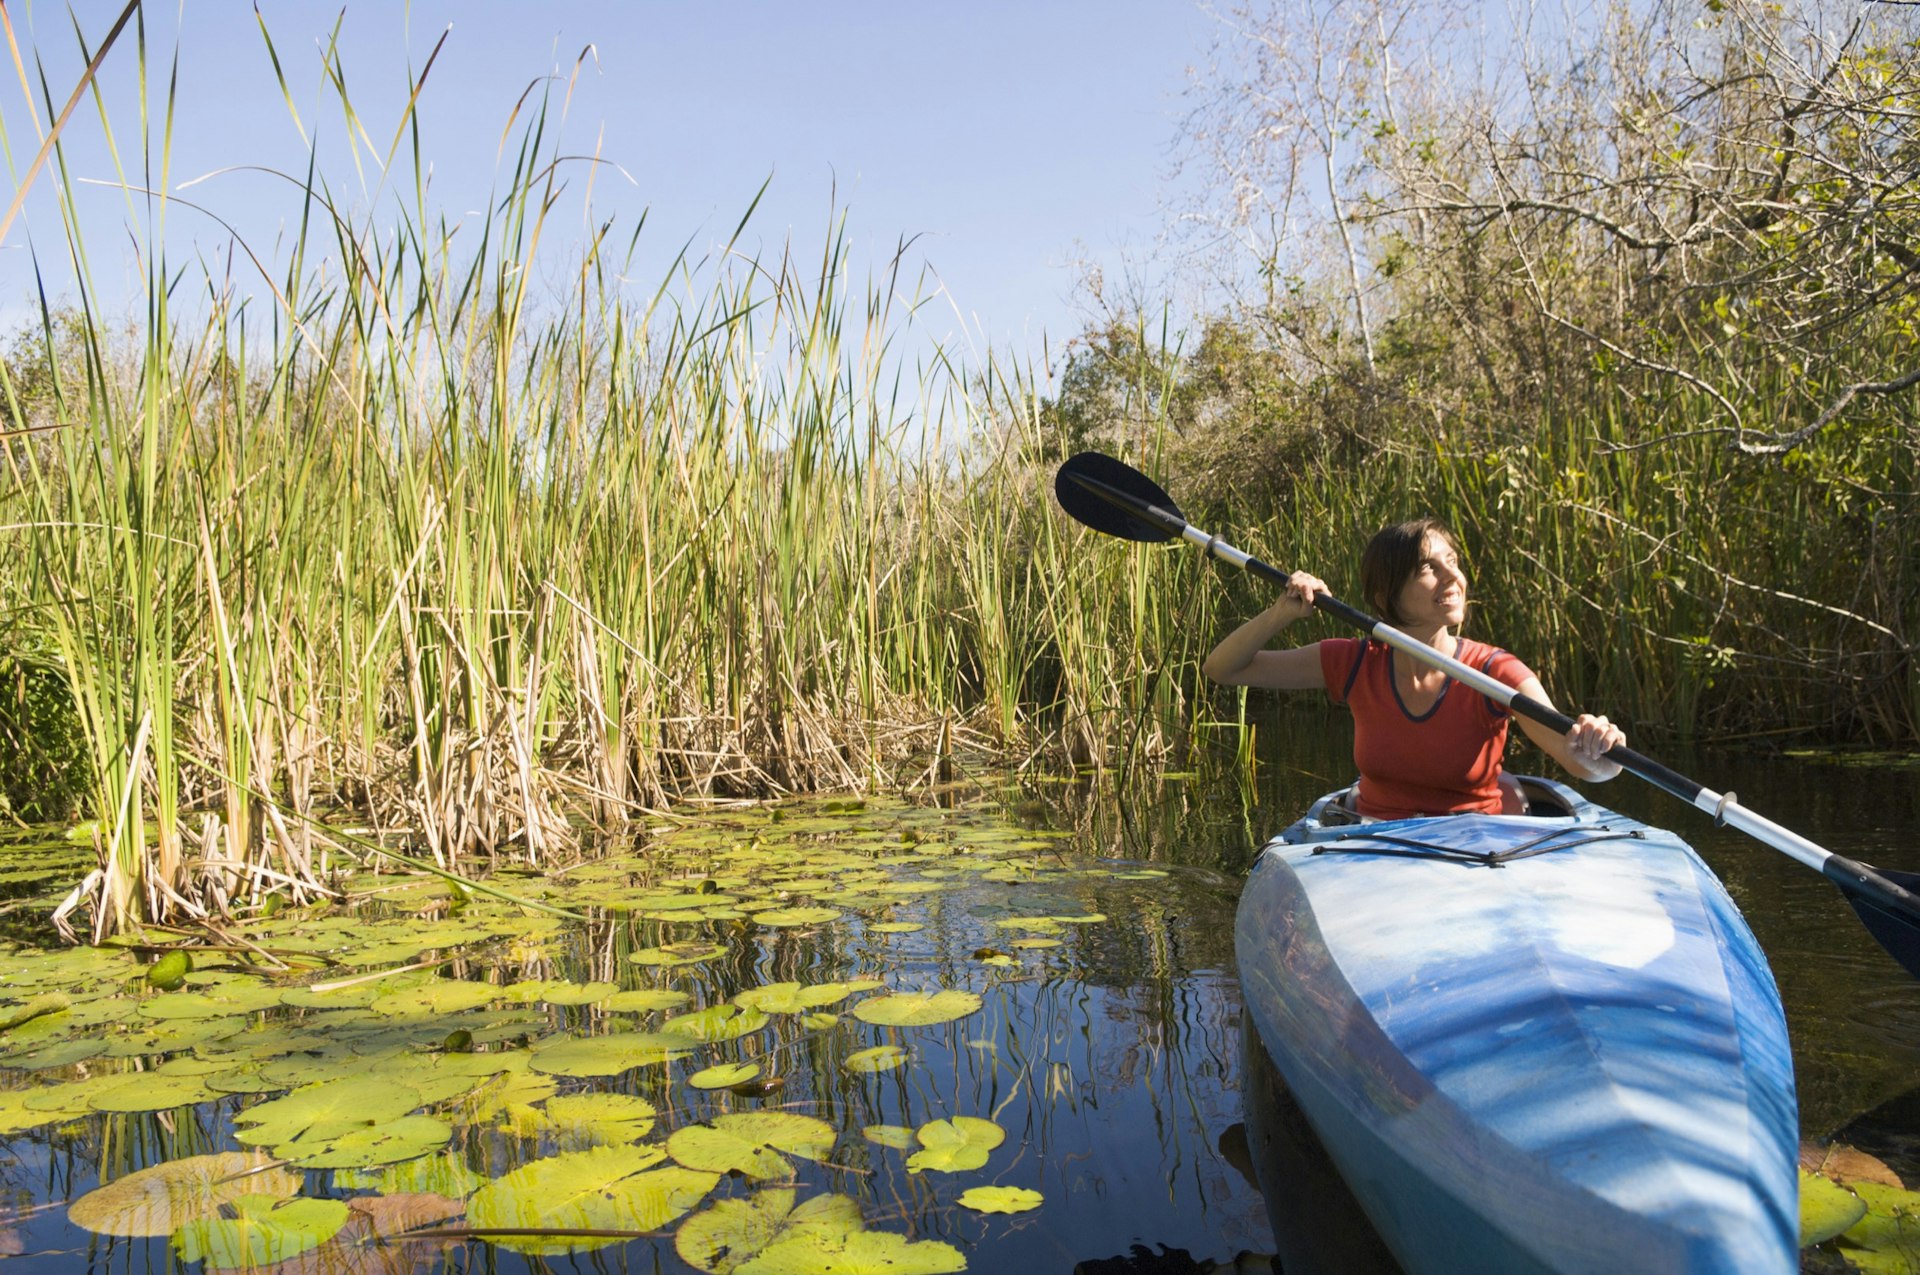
(493,1075)
(1000,1199)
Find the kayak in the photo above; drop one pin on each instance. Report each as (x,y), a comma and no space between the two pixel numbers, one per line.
(1541,1042)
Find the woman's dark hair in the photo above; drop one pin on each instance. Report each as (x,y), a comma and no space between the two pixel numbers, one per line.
(1392,557)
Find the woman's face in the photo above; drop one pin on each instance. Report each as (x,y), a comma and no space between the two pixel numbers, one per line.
(1435,595)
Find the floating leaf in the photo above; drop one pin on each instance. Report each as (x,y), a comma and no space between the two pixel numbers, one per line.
(1826,1209)
(165,1197)
(609,1119)
(357,997)
(1887,1240)
(560,991)
(819,1022)
(388,1142)
(863,1253)
(751,1142)
(673,954)
(442,996)
(793,998)
(723,1237)
(504,1093)
(641,1001)
(440,1175)
(57,1053)
(916,1009)
(724,1075)
(149,1091)
(317,1113)
(956,1145)
(717,1022)
(607,1055)
(604,1189)
(877,1059)
(781,917)
(897,1136)
(261,1230)
(1034,944)
(1000,1199)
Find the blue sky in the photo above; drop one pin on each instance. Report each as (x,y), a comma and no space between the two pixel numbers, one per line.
(1014,139)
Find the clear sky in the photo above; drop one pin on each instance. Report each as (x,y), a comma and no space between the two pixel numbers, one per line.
(1013,138)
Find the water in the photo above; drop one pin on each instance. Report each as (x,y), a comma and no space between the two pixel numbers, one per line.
(1112,1062)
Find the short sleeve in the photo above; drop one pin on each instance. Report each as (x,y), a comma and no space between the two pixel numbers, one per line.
(1338,656)
(1507,669)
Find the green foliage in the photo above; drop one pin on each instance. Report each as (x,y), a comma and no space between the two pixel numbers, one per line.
(43,752)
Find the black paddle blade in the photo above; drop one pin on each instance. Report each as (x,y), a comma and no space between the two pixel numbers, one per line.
(1116,499)
(1897,931)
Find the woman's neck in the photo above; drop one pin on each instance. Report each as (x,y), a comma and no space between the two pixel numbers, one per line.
(1440,638)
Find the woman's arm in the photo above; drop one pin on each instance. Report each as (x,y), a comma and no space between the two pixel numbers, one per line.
(1580,749)
(1242,660)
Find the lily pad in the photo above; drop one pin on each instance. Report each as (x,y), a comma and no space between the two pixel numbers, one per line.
(751,1143)
(1887,1240)
(1826,1209)
(916,1009)
(1000,1199)
(724,1075)
(877,1059)
(442,996)
(897,1136)
(607,1055)
(674,954)
(642,1000)
(259,1231)
(862,1253)
(608,1119)
(149,1091)
(440,1175)
(165,1197)
(956,1145)
(730,1233)
(389,1142)
(560,991)
(715,1023)
(793,998)
(315,1114)
(784,917)
(603,1189)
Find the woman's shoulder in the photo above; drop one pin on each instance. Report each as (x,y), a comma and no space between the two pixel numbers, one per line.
(1494,660)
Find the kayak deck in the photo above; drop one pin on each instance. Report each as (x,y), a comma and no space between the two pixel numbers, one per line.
(1574,1060)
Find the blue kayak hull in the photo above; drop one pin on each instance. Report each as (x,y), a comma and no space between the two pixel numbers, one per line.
(1574,1061)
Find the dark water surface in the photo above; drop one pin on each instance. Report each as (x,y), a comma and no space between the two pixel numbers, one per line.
(1112,1060)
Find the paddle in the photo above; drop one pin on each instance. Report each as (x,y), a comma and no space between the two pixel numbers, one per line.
(1112,497)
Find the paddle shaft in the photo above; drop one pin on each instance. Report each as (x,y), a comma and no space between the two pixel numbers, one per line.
(1855,877)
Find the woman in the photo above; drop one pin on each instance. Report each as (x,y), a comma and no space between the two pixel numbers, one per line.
(1423,745)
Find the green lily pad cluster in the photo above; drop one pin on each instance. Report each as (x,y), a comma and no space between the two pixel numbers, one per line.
(403,1043)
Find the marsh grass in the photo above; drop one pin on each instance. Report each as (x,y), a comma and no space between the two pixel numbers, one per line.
(412,540)
(489,563)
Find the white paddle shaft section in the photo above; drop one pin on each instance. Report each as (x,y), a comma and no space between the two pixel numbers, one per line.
(1728,810)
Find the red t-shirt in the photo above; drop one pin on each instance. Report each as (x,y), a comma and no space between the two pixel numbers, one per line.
(1446,760)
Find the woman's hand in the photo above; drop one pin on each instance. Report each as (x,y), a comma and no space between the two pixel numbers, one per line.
(1589,740)
(1296,600)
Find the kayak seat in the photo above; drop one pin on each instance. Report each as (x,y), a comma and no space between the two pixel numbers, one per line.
(1536,798)
(1542,801)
